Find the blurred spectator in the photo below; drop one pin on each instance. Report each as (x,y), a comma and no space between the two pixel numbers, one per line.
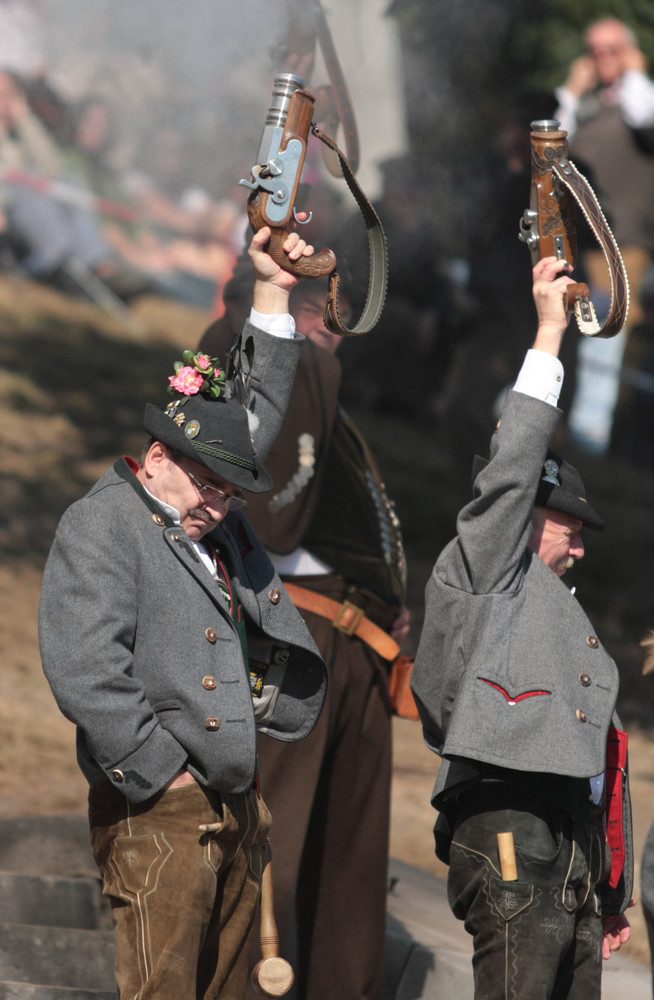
(607,107)
(185,241)
(23,53)
(190,267)
(22,39)
(47,232)
(87,140)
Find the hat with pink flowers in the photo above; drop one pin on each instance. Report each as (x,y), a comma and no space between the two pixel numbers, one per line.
(207,426)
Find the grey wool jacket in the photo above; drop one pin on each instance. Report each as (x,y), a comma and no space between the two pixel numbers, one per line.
(138,645)
(509,670)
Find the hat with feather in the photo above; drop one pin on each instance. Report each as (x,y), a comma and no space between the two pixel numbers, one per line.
(211,419)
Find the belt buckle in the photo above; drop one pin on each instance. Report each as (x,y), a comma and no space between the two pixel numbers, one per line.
(348,618)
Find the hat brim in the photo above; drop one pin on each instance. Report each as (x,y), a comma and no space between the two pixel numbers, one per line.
(562,500)
(556,498)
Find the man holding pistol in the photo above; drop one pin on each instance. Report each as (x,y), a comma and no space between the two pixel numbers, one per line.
(517,695)
(334,537)
(168,638)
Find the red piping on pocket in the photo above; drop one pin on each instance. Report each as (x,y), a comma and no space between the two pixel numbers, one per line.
(518,697)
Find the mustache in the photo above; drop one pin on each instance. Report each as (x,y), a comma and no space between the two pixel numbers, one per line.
(202,514)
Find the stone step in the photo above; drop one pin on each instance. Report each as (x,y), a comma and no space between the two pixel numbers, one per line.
(54,902)
(57,956)
(46,845)
(27,991)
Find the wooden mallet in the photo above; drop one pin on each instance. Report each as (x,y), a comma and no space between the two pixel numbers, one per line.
(272,976)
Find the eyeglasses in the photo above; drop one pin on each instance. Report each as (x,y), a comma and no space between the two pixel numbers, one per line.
(211,494)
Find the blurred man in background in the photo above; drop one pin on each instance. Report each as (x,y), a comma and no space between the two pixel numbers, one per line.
(607,107)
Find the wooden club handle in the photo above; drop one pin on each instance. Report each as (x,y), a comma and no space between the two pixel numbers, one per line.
(272,976)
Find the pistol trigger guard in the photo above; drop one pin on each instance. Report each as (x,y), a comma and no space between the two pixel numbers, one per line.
(301,222)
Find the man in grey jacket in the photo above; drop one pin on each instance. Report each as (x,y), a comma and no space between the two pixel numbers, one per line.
(167,636)
(518,697)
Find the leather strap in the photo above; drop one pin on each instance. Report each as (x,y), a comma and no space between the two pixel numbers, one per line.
(378,259)
(585,197)
(339,91)
(307,25)
(346,617)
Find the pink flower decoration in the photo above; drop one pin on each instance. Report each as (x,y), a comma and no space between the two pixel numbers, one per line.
(187,380)
(203,362)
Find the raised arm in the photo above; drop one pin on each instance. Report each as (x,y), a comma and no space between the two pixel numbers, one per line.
(493,529)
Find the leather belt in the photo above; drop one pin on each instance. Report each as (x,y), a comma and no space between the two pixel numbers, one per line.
(346,617)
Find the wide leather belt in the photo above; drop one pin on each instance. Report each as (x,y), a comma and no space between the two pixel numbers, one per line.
(346,617)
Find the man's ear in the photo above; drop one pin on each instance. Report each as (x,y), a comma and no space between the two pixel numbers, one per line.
(156,454)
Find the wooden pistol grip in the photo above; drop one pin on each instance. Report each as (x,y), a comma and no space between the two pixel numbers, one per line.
(317,266)
(574,292)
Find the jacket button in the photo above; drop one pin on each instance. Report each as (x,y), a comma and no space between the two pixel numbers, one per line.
(274,595)
(117,775)
(593,641)
(158,519)
(581,715)
(585,680)
(210,634)
(212,723)
(209,683)
(175,538)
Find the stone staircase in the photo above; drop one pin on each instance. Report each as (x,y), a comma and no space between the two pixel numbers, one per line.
(56,941)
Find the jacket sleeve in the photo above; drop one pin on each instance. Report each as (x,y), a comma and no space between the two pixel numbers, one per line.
(268,364)
(493,529)
(87,627)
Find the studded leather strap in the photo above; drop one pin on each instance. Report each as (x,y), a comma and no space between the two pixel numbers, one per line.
(584,195)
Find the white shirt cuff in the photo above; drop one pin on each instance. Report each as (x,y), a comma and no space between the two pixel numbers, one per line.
(541,376)
(636,92)
(277,324)
(566,113)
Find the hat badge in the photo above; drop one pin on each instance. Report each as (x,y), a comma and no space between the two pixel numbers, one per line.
(551,470)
